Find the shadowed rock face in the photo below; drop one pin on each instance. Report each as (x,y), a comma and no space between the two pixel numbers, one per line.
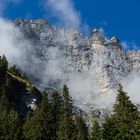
(72,52)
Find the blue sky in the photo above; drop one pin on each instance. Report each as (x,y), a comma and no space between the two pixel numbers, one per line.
(115,17)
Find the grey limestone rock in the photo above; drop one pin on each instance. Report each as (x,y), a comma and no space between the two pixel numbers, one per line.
(75,52)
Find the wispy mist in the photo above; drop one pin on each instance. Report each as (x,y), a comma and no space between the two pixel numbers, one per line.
(17,49)
(64,11)
(129,46)
(65,15)
(131,86)
(20,51)
(8,46)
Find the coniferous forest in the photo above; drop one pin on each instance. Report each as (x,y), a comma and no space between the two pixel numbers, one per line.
(54,118)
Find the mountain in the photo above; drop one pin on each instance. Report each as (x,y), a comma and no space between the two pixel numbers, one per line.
(91,66)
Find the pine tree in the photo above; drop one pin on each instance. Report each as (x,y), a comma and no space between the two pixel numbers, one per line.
(56,102)
(95,131)
(124,109)
(3,70)
(15,71)
(82,129)
(10,126)
(66,130)
(39,126)
(125,115)
(4,104)
(124,121)
(9,121)
(108,131)
(4,64)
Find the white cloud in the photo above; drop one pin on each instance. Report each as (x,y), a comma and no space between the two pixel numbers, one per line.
(129,46)
(16,48)
(131,85)
(64,11)
(7,43)
(20,52)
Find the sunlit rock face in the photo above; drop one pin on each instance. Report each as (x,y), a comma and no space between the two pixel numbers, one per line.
(135,59)
(110,62)
(63,53)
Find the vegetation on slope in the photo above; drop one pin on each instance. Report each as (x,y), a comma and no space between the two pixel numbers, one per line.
(54,119)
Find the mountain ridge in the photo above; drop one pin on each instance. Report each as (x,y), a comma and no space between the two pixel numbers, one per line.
(65,56)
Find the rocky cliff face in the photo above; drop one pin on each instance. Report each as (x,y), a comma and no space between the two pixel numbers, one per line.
(64,53)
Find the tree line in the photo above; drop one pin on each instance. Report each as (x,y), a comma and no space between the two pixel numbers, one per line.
(54,117)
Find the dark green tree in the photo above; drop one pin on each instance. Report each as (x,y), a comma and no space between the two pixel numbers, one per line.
(124,120)
(4,104)
(125,115)
(95,133)
(9,121)
(82,129)
(109,130)
(124,109)
(14,71)
(10,127)
(56,103)
(9,118)
(3,70)
(39,126)
(66,130)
